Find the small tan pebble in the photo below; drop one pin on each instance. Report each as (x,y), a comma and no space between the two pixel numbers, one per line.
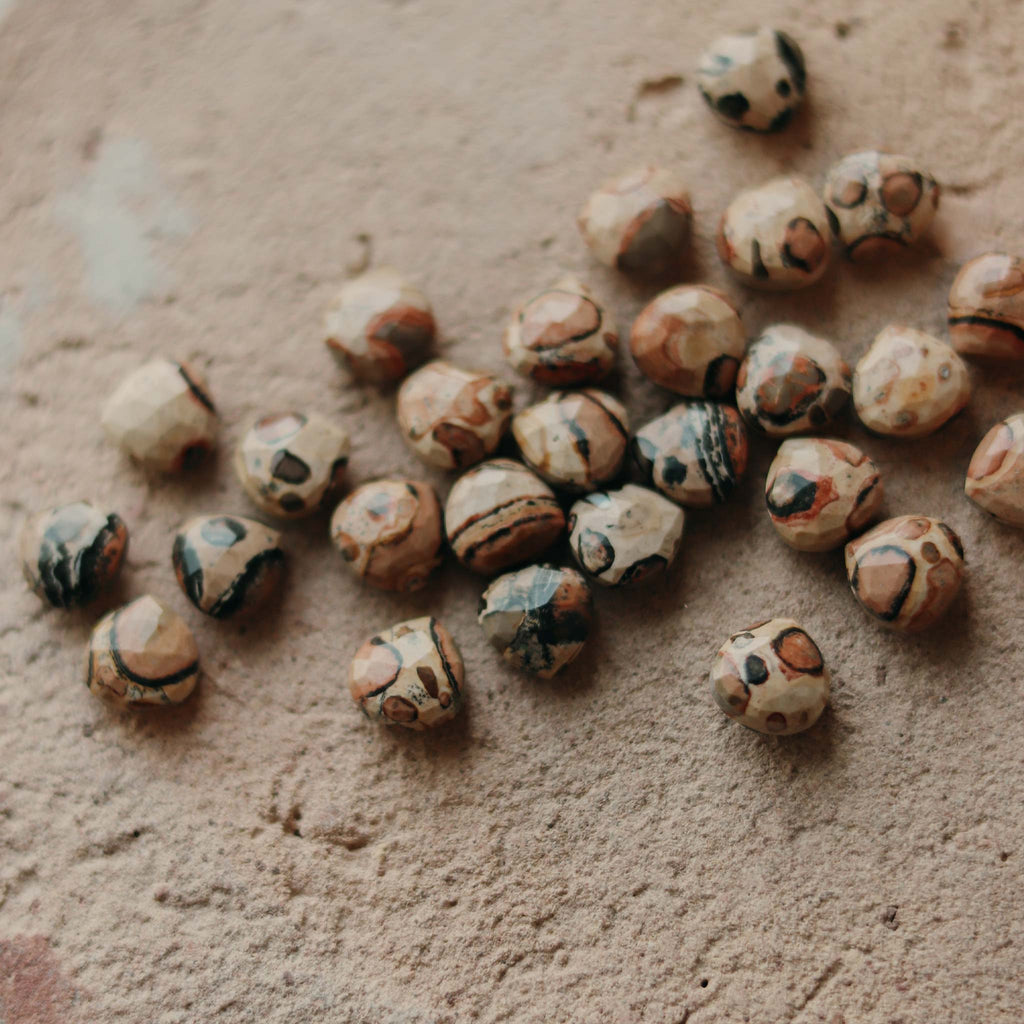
(791,382)
(776,236)
(771,678)
(906,571)
(986,307)
(70,553)
(995,477)
(538,617)
(410,674)
(563,337)
(142,653)
(908,384)
(625,536)
(451,417)
(689,339)
(389,533)
(753,80)
(821,492)
(639,222)
(291,463)
(380,326)
(500,514)
(576,440)
(879,203)
(695,454)
(161,415)
(227,565)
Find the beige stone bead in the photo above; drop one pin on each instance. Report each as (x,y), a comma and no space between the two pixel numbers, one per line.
(451,417)
(995,477)
(689,339)
(986,307)
(161,415)
(771,678)
(142,653)
(821,492)
(908,384)
(576,440)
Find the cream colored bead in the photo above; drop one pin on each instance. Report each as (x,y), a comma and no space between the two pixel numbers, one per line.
(995,477)
(986,307)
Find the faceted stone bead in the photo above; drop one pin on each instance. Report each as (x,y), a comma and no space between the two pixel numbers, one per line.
(227,565)
(753,80)
(791,382)
(986,307)
(538,617)
(690,340)
(625,536)
(995,477)
(576,440)
(142,653)
(695,454)
(72,552)
(821,492)
(776,236)
(380,326)
(291,463)
(879,203)
(161,415)
(410,674)
(906,571)
(639,222)
(771,678)
(500,514)
(908,384)
(451,417)
(389,533)
(563,337)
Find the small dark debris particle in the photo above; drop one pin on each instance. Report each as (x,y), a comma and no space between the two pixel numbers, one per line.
(842,29)
(703,982)
(889,918)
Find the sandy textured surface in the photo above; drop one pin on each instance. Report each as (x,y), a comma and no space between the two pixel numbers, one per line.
(193,179)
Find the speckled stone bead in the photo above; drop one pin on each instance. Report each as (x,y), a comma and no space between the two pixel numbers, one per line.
(410,674)
(625,536)
(791,382)
(821,492)
(639,222)
(690,340)
(451,417)
(500,514)
(563,337)
(290,463)
(389,533)
(986,307)
(753,80)
(142,653)
(695,454)
(777,236)
(380,326)
(161,415)
(576,440)
(227,565)
(879,203)
(906,571)
(538,617)
(908,384)
(771,678)
(995,477)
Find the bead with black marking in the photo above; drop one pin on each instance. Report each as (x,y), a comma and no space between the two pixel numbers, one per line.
(986,307)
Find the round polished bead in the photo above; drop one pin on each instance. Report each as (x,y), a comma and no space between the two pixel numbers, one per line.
(690,340)
(142,653)
(908,384)
(986,307)
(537,617)
(389,533)
(995,476)
(906,571)
(820,492)
(72,552)
(410,675)
(771,678)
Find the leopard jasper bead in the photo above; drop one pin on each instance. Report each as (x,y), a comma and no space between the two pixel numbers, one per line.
(986,307)
(995,476)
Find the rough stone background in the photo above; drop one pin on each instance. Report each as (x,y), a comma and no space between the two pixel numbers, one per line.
(195,178)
